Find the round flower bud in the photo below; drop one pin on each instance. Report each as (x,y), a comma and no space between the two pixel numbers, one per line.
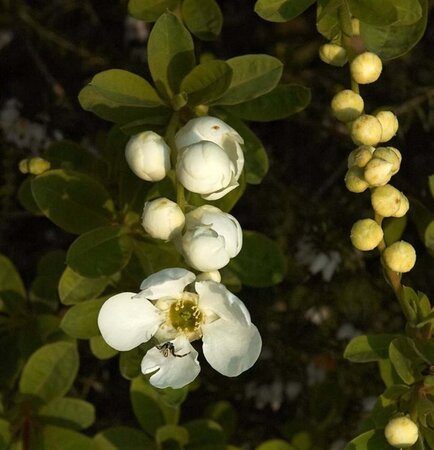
(333,54)
(366,234)
(403,207)
(347,105)
(35,166)
(389,124)
(378,172)
(390,155)
(354,180)
(214,275)
(148,156)
(162,219)
(355,25)
(366,68)
(400,257)
(401,432)
(386,200)
(360,156)
(211,239)
(366,130)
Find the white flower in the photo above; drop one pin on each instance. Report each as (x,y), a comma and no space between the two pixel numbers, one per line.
(211,239)
(162,218)
(175,317)
(148,156)
(210,157)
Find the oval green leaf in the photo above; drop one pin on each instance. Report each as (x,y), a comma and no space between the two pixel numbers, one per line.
(62,438)
(281,10)
(374,12)
(68,413)
(123,438)
(203,18)
(369,348)
(10,279)
(150,10)
(371,440)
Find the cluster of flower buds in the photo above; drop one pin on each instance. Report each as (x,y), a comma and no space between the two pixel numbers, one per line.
(371,166)
(209,161)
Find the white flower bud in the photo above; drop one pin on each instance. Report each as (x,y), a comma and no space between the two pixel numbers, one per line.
(403,207)
(211,239)
(400,257)
(378,172)
(366,130)
(401,432)
(333,54)
(391,155)
(162,219)
(355,25)
(354,180)
(386,200)
(360,156)
(347,105)
(366,68)
(148,156)
(366,234)
(214,275)
(389,124)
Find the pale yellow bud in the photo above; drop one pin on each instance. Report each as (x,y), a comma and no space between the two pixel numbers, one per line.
(401,432)
(347,105)
(360,156)
(378,172)
(366,68)
(389,154)
(366,130)
(403,207)
(355,24)
(400,257)
(389,124)
(354,180)
(38,165)
(366,234)
(386,200)
(333,54)
(23,166)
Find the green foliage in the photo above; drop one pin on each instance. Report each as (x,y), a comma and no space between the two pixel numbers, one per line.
(275,444)
(369,348)
(281,10)
(371,440)
(150,10)
(56,437)
(10,280)
(68,413)
(203,18)
(123,438)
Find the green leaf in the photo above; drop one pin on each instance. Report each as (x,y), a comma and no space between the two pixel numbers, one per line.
(253,76)
(388,373)
(431,185)
(100,349)
(281,10)
(409,11)
(395,40)
(123,438)
(205,435)
(260,262)
(328,21)
(387,405)
(50,371)
(203,18)
(150,10)
(374,12)
(68,413)
(207,82)
(429,236)
(275,444)
(403,359)
(283,101)
(171,437)
(26,198)
(129,362)
(371,440)
(409,304)
(100,252)
(224,414)
(369,348)
(5,434)
(393,228)
(56,438)
(122,97)
(80,321)
(170,54)
(73,201)
(10,279)
(74,288)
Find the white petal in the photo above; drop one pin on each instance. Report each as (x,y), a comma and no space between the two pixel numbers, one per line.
(166,283)
(215,298)
(222,192)
(235,152)
(126,321)
(231,348)
(174,370)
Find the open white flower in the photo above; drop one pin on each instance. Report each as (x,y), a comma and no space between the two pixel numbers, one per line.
(175,317)
(210,157)
(211,239)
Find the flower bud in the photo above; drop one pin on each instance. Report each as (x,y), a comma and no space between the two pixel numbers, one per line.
(355,25)
(35,166)
(389,124)
(401,432)
(400,257)
(354,180)
(366,68)
(214,275)
(386,200)
(366,234)
(391,155)
(148,156)
(162,219)
(333,54)
(360,156)
(378,172)
(211,239)
(347,105)
(403,207)
(366,130)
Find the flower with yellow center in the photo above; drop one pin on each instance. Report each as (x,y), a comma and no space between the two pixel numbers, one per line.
(175,317)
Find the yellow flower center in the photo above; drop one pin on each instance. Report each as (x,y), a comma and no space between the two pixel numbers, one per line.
(184,314)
